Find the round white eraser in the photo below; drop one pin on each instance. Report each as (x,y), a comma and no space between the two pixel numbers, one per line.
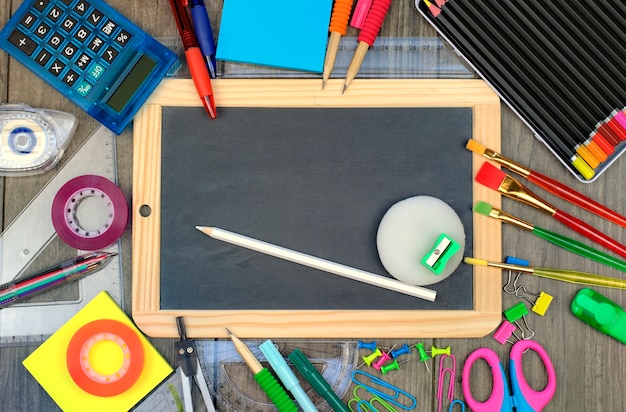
(409,231)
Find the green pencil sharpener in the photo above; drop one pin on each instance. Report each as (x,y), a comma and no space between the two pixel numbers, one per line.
(601,313)
(439,255)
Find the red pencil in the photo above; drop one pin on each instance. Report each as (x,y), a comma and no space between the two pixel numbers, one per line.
(494,178)
(553,186)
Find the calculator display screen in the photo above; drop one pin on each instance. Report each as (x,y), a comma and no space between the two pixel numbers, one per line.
(131,83)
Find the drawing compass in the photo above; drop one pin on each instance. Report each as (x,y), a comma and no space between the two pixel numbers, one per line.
(190,369)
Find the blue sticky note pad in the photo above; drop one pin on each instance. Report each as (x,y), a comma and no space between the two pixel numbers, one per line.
(289,34)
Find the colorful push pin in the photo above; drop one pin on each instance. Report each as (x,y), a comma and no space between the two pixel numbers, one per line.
(541,304)
(391,366)
(435,351)
(402,350)
(381,361)
(367,345)
(423,355)
(371,357)
(504,332)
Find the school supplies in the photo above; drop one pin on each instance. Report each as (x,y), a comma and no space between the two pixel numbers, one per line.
(190,369)
(551,185)
(564,275)
(286,34)
(495,179)
(382,389)
(24,288)
(600,312)
(90,53)
(98,358)
(32,141)
(318,263)
(204,33)
(521,397)
(555,63)
(195,60)
(264,377)
(338,27)
(367,37)
(316,380)
(565,242)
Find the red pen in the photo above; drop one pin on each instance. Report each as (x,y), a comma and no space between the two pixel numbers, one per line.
(195,60)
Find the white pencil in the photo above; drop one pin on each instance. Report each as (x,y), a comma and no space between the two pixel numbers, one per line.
(318,263)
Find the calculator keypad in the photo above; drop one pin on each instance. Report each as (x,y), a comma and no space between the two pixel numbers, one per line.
(73,40)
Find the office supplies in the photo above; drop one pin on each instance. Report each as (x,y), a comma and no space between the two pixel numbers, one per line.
(551,185)
(90,53)
(504,332)
(521,396)
(75,228)
(317,263)
(28,235)
(436,259)
(516,312)
(360,13)
(494,178)
(204,33)
(286,34)
(73,269)
(264,377)
(564,275)
(457,402)
(367,402)
(600,313)
(190,369)
(338,27)
(450,372)
(552,67)
(542,299)
(97,358)
(366,38)
(384,390)
(316,380)
(195,61)
(409,103)
(286,375)
(562,241)
(408,235)
(32,141)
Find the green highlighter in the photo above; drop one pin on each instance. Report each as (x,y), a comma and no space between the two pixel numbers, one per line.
(601,313)
(316,380)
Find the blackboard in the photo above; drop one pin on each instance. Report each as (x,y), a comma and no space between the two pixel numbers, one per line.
(314,178)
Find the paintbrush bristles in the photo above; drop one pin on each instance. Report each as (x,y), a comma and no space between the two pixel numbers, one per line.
(486,209)
(496,179)
(513,166)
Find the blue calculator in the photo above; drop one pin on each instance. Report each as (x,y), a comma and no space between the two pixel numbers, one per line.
(90,53)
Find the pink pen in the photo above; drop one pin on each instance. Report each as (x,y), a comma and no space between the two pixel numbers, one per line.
(360,13)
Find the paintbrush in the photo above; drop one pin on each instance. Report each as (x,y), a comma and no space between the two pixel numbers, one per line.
(553,186)
(496,179)
(564,242)
(564,275)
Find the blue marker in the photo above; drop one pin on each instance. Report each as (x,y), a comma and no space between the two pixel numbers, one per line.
(286,375)
(204,33)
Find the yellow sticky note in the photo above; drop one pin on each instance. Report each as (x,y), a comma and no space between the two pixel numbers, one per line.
(117,365)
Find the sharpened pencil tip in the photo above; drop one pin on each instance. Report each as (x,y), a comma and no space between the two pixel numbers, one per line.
(345,87)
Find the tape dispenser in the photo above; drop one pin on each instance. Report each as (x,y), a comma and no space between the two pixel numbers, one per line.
(32,141)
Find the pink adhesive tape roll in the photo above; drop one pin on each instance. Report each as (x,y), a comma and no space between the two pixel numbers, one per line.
(89,212)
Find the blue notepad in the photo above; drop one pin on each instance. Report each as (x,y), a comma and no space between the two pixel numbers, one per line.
(289,34)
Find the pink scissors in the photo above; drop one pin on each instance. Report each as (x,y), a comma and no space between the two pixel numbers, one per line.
(522,396)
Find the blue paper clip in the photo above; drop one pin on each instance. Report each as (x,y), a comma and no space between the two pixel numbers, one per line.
(457,402)
(381,389)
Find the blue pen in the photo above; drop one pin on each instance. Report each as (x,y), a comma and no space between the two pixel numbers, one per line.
(286,375)
(204,33)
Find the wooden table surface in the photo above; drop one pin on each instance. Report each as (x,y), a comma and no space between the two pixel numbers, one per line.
(590,367)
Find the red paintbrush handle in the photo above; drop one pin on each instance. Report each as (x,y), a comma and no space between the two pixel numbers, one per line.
(590,232)
(564,192)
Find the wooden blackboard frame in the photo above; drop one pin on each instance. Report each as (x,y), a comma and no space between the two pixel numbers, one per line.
(146,213)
